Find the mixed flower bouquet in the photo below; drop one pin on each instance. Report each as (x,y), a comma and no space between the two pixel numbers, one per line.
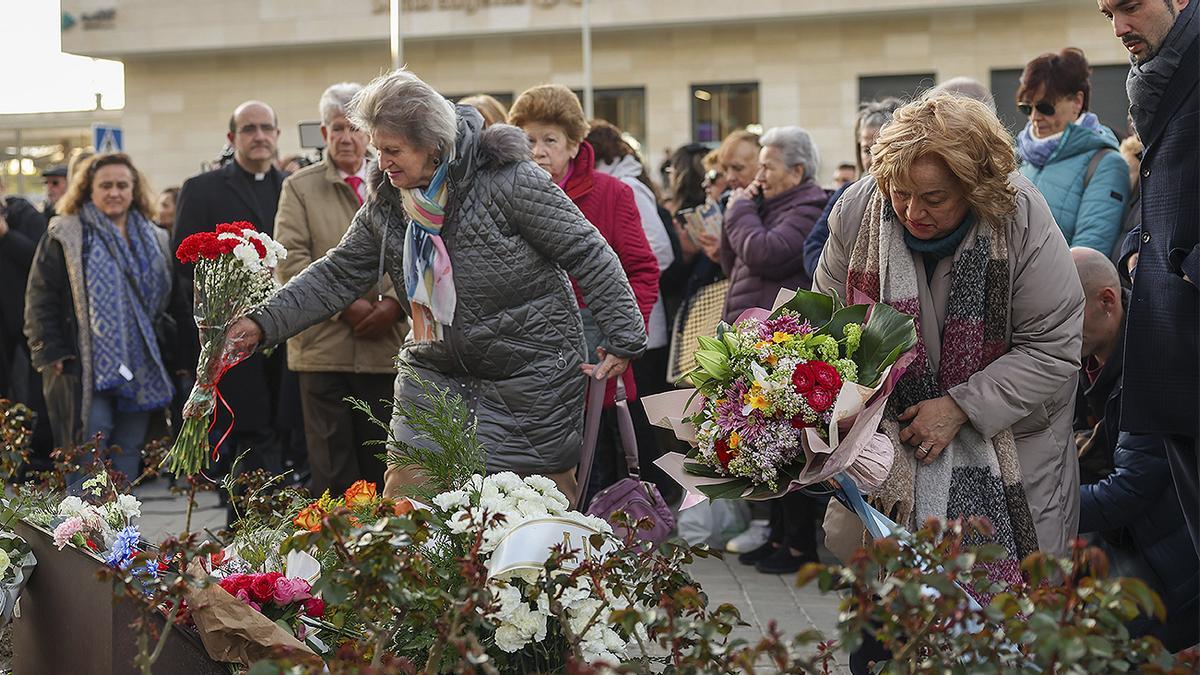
(234,274)
(778,392)
(361,498)
(281,598)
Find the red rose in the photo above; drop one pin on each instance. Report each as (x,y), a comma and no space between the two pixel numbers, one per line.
(803,378)
(314,607)
(235,582)
(798,422)
(826,375)
(820,398)
(724,454)
(262,587)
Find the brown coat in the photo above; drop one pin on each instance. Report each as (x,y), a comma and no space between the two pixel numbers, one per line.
(315,210)
(1031,388)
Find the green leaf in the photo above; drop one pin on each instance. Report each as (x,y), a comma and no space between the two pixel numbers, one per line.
(704,470)
(886,335)
(818,308)
(714,345)
(843,317)
(731,490)
(715,364)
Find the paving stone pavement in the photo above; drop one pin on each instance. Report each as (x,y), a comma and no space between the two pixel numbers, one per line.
(760,598)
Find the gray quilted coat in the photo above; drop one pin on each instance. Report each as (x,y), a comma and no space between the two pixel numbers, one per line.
(514,349)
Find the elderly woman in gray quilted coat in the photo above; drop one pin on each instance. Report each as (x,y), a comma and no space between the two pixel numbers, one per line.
(482,242)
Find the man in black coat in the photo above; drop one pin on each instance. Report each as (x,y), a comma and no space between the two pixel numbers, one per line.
(21,227)
(1162,366)
(1128,500)
(246,189)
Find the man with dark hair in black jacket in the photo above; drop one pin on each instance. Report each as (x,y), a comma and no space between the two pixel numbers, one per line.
(1129,501)
(21,227)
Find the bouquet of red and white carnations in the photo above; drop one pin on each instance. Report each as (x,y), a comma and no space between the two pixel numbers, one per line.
(787,398)
(234,273)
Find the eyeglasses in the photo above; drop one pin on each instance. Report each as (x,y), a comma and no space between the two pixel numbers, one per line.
(251,129)
(1045,107)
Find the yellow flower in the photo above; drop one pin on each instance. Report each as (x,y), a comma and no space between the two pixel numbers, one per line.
(734,439)
(754,398)
(780,338)
(762,344)
(772,359)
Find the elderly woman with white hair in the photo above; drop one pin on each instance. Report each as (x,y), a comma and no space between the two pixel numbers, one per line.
(482,242)
(352,352)
(767,222)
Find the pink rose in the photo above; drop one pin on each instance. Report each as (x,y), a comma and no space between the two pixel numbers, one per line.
(289,590)
(245,597)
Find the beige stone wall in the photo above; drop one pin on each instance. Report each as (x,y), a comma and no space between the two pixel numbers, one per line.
(177,107)
(166,26)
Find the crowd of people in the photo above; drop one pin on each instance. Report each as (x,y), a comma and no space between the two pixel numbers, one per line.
(504,254)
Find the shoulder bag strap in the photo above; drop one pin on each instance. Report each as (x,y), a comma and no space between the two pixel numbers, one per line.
(1095,162)
(593,409)
(628,436)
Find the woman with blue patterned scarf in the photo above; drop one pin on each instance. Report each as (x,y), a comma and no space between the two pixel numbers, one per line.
(100,278)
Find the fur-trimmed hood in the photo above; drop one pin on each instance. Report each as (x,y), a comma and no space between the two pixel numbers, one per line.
(475,148)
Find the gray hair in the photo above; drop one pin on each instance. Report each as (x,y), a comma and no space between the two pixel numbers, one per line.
(966,87)
(875,114)
(797,147)
(336,99)
(401,103)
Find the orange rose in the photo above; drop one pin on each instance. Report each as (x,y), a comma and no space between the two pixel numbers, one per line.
(361,493)
(309,517)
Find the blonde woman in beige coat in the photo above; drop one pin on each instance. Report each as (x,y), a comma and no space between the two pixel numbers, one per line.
(946,230)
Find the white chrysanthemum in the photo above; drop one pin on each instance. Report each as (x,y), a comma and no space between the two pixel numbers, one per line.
(459,523)
(449,501)
(508,638)
(5,562)
(71,506)
(128,506)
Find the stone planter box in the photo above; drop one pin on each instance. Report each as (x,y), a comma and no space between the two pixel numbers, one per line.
(71,622)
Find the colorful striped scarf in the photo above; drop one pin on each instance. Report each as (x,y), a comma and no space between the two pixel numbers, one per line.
(428,276)
(973,476)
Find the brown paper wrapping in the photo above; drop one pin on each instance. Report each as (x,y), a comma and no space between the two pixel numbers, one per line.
(235,632)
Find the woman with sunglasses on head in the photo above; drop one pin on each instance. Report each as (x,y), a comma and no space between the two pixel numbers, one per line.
(1068,154)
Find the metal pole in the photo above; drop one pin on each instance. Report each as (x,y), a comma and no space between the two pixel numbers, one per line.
(397,38)
(588,100)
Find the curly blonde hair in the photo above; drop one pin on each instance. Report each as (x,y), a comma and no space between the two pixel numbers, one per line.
(964,134)
(83,174)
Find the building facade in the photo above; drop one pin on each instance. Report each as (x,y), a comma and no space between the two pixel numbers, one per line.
(668,71)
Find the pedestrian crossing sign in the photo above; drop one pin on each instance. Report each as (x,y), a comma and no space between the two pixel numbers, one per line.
(107,138)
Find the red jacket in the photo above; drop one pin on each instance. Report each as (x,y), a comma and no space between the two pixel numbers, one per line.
(608,204)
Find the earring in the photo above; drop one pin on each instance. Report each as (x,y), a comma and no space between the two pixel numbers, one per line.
(437,161)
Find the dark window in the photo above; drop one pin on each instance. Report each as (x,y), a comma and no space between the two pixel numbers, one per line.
(904,87)
(1109,100)
(718,109)
(624,107)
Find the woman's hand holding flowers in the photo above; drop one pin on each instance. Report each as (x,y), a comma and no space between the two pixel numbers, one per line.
(934,423)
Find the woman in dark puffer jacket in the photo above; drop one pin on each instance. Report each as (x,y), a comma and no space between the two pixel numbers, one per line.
(481,242)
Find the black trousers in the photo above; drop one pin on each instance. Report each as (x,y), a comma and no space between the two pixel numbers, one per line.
(338,437)
(1181,454)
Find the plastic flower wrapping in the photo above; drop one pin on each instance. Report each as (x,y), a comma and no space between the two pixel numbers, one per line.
(780,397)
(234,273)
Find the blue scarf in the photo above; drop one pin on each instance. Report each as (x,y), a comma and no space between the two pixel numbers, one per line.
(125,358)
(1037,151)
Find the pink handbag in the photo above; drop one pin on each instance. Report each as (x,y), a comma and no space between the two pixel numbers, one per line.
(635,497)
